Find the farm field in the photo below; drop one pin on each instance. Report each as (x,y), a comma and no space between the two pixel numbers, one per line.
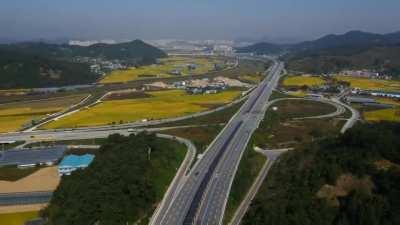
(392,114)
(13,173)
(252,78)
(303,81)
(161,104)
(18,218)
(162,70)
(387,101)
(371,84)
(13,116)
(45,179)
(297,93)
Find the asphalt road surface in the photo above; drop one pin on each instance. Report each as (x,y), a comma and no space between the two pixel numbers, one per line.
(202,198)
(272,156)
(25,198)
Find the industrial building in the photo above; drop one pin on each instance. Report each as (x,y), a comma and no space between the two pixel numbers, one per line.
(71,163)
(32,157)
(360,100)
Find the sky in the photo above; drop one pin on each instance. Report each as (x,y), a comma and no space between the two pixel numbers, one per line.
(278,20)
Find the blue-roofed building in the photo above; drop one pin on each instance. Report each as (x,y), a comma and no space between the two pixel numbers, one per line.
(71,163)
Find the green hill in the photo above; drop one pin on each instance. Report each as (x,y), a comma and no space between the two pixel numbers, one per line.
(122,185)
(352,50)
(353,179)
(19,70)
(333,53)
(28,65)
(381,59)
(129,50)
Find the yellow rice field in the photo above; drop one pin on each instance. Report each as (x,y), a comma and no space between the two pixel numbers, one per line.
(18,218)
(392,114)
(371,84)
(253,78)
(303,80)
(162,104)
(14,115)
(162,70)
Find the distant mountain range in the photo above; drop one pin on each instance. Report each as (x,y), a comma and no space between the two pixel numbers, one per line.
(37,64)
(331,53)
(351,39)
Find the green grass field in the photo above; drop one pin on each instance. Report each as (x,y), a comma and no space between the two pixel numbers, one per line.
(17,218)
(303,81)
(371,84)
(162,70)
(12,173)
(162,104)
(14,115)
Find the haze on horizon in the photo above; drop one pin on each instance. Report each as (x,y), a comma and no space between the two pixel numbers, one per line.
(284,20)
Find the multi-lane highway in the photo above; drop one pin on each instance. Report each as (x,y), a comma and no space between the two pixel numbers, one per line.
(202,198)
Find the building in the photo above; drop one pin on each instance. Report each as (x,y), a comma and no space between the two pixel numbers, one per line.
(385,94)
(360,100)
(314,96)
(361,73)
(32,157)
(194,90)
(71,163)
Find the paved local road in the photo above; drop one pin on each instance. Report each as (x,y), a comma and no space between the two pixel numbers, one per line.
(25,198)
(355,115)
(202,198)
(272,156)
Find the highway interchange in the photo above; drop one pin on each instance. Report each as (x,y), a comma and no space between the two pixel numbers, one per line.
(203,197)
(199,196)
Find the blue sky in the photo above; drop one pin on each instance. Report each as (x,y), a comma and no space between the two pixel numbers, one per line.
(194,19)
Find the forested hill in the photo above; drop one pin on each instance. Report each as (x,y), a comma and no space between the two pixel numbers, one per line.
(352,50)
(123,185)
(261,48)
(353,179)
(29,65)
(18,70)
(333,53)
(385,60)
(128,50)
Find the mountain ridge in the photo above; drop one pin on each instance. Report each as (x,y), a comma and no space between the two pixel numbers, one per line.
(350,38)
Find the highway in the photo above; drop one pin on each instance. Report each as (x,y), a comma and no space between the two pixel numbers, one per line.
(202,198)
(25,198)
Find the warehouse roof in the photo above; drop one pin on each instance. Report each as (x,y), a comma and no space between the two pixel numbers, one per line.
(31,156)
